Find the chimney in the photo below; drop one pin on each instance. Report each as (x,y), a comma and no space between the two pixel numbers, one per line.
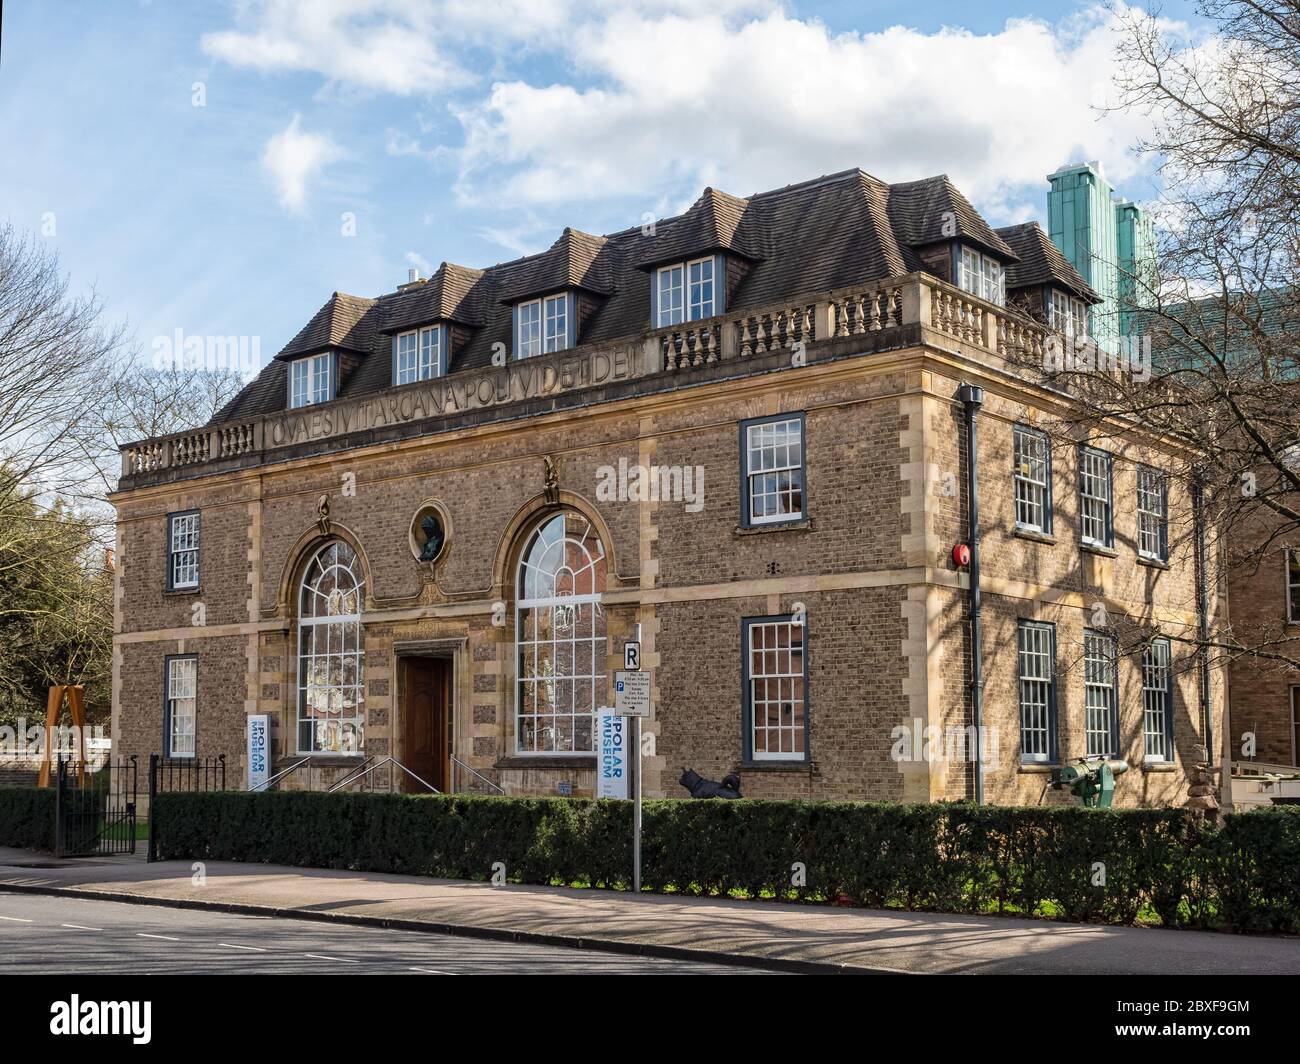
(413,278)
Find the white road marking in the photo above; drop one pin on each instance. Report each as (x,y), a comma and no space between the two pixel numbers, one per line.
(236,945)
(429,971)
(81,927)
(321,957)
(165,938)
(15,919)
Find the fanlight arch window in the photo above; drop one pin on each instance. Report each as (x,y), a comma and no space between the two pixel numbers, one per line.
(560,637)
(331,653)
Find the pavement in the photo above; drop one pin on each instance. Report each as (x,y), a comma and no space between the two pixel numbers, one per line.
(788,937)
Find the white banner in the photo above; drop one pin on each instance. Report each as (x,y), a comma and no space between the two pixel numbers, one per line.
(259,751)
(611,754)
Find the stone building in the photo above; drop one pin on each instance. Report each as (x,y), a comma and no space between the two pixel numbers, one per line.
(1263,574)
(425,530)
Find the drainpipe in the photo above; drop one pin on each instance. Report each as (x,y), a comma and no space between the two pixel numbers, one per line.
(972,398)
(1203,615)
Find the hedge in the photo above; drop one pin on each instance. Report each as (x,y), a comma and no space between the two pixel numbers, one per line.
(1113,865)
(27,818)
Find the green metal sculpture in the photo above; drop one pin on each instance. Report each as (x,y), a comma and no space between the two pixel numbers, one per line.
(1091,780)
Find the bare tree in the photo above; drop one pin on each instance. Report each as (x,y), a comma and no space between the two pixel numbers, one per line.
(142,401)
(1211,363)
(55,362)
(70,395)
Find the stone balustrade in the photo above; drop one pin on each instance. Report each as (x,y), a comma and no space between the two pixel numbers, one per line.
(192,448)
(863,311)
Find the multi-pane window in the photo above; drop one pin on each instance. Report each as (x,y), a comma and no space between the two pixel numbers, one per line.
(774,470)
(183,551)
(543,326)
(560,637)
(1095,520)
(1295,725)
(1293,585)
(331,653)
(419,355)
(1153,514)
(182,702)
(686,292)
(776,685)
(529,340)
(1036,645)
(1068,315)
(309,380)
(1156,692)
(981,275)
(555,329)
(1099,694)
(1033,489)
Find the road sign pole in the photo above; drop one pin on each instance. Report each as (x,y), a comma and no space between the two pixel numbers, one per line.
(636,804)
(636,810)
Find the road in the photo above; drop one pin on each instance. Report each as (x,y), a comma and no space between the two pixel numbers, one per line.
(58,935)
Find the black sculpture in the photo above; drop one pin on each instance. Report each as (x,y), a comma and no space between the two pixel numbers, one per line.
(434,537)
(702,788)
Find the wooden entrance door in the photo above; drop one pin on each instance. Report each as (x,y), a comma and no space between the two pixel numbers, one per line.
(426,706)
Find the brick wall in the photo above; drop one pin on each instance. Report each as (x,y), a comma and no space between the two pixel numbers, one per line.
(888,640)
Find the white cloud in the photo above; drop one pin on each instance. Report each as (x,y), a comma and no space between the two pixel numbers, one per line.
(384,45)
(293,158)
(776,99)
(658,97)
(410,46)
(414,258)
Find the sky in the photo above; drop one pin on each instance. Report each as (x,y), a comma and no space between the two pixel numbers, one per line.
(219,169)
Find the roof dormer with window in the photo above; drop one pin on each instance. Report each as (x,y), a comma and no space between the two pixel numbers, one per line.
(320,360)
(1044,285)
(553,295)
(428,321)
(697,262)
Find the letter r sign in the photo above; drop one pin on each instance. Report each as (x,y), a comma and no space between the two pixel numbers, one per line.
(632,656)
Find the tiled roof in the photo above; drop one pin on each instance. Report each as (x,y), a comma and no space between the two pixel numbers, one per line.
(449,295)
(343,322)
(575,260)
(1041,262)
(828,233)
(932,211)
(714,222)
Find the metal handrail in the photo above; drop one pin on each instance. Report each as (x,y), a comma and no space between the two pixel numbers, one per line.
(280,775)
(380,764)
(362,768)
(457,761)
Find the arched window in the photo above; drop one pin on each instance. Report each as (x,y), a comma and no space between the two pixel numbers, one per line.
(331,653)
(560,636)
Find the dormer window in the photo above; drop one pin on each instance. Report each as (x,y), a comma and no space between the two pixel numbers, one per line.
(311,380)
(418,355)
(1068,315)
(685,292)
(981,275)
(543,326)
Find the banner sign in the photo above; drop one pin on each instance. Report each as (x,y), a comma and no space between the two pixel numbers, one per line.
(259,751)
(611,754)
